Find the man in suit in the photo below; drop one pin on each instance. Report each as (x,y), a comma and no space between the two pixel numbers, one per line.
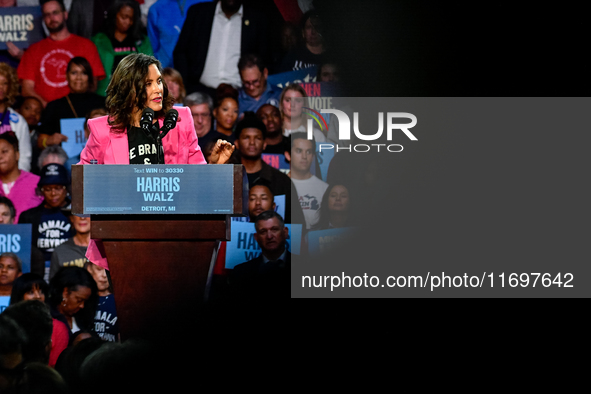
(266,277)
(213,38)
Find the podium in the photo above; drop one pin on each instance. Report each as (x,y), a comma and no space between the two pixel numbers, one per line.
(159,226)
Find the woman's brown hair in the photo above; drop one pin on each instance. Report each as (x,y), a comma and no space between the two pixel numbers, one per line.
(126,92)
(178,78)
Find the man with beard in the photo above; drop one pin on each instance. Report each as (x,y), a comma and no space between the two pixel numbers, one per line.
(250,143)
(42,70)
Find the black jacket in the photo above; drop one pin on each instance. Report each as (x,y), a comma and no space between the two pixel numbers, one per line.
(256,281)
(191,49)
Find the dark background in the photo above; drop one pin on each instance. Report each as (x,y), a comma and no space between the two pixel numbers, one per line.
(497,188)
(416,48)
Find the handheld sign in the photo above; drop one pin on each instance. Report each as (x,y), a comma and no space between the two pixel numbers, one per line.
(284,79)
(276,160)
(243,246)
(74,129)
(16,238)
(20,25)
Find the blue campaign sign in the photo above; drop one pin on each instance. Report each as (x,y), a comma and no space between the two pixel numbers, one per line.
(324,156)
(20,25)
(16,238)
(243,246)
(74,129)
(322,240)
(158,189)
(284,79)
(276,160)
(280,205)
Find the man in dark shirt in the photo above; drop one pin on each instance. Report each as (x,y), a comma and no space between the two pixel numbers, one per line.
(250,142)
(266,277)
(276,142)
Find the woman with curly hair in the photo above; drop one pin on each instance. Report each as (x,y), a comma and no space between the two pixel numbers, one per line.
(121,36)
(117,138)
(10,120)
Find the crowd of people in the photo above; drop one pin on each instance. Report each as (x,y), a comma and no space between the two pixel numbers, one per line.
(215,59)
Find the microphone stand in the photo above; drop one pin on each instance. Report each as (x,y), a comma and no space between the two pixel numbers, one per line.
(163,131)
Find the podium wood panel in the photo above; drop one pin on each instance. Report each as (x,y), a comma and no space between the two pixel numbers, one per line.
(158,286)
(160,229)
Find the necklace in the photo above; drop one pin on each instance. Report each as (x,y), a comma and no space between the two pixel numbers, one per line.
(71,106)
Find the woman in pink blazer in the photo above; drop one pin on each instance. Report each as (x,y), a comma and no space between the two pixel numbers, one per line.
(115,137)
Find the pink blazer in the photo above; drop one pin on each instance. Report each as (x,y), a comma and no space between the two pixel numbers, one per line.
(180,147)
(180,144)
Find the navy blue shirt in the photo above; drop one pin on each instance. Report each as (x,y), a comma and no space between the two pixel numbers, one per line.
(105,320)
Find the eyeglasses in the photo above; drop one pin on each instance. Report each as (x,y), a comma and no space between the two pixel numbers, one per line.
(53,13)
(252,84)
(202,115)
(49,189)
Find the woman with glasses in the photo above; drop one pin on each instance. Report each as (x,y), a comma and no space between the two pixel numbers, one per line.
(51,226)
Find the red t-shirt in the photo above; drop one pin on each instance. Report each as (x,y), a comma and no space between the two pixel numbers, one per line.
(45,63)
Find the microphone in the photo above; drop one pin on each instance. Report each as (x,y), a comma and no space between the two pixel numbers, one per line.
(169,121)
(147,119)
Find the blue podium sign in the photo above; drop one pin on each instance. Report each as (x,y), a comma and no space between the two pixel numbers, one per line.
(158,189)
